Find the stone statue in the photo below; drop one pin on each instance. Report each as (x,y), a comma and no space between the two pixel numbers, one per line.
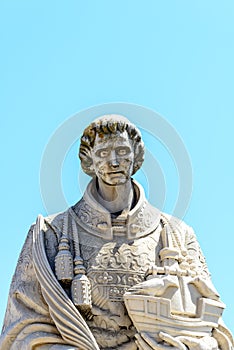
(113,272)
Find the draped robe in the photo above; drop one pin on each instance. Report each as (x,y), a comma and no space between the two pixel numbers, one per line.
(117,253)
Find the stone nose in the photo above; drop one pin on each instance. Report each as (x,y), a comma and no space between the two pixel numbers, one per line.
(113,161)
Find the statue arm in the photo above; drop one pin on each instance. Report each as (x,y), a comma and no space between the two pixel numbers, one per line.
(39,313)
(195,253)
(27,317)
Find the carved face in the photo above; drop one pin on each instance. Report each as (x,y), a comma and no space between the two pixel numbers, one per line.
(113,158)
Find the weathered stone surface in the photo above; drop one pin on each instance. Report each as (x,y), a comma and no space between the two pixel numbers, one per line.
(113,272)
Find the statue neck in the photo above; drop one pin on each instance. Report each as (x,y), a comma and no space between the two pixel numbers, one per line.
(115,198)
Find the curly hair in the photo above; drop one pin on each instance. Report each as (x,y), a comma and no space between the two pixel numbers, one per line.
(109,124)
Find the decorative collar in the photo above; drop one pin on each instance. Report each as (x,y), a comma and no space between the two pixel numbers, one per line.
(94,218)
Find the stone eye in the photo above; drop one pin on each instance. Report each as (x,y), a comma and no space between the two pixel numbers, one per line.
(122,151)
(103,153)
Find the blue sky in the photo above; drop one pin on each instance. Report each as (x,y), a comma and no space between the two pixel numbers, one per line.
(173,57)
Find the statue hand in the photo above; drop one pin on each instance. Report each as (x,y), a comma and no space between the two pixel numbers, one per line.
(205,287)
(205,343)
(62,347)
(145,342)
(55,347)
(155,286)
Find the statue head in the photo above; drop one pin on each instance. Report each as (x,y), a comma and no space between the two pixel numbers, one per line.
(111,129)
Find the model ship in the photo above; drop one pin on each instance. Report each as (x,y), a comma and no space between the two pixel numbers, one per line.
(174,299)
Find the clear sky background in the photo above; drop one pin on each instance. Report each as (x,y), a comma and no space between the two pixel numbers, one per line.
(174,57)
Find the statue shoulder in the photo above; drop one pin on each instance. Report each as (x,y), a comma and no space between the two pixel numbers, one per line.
(55,221)
(54,224)
(182,231)
(175,223)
